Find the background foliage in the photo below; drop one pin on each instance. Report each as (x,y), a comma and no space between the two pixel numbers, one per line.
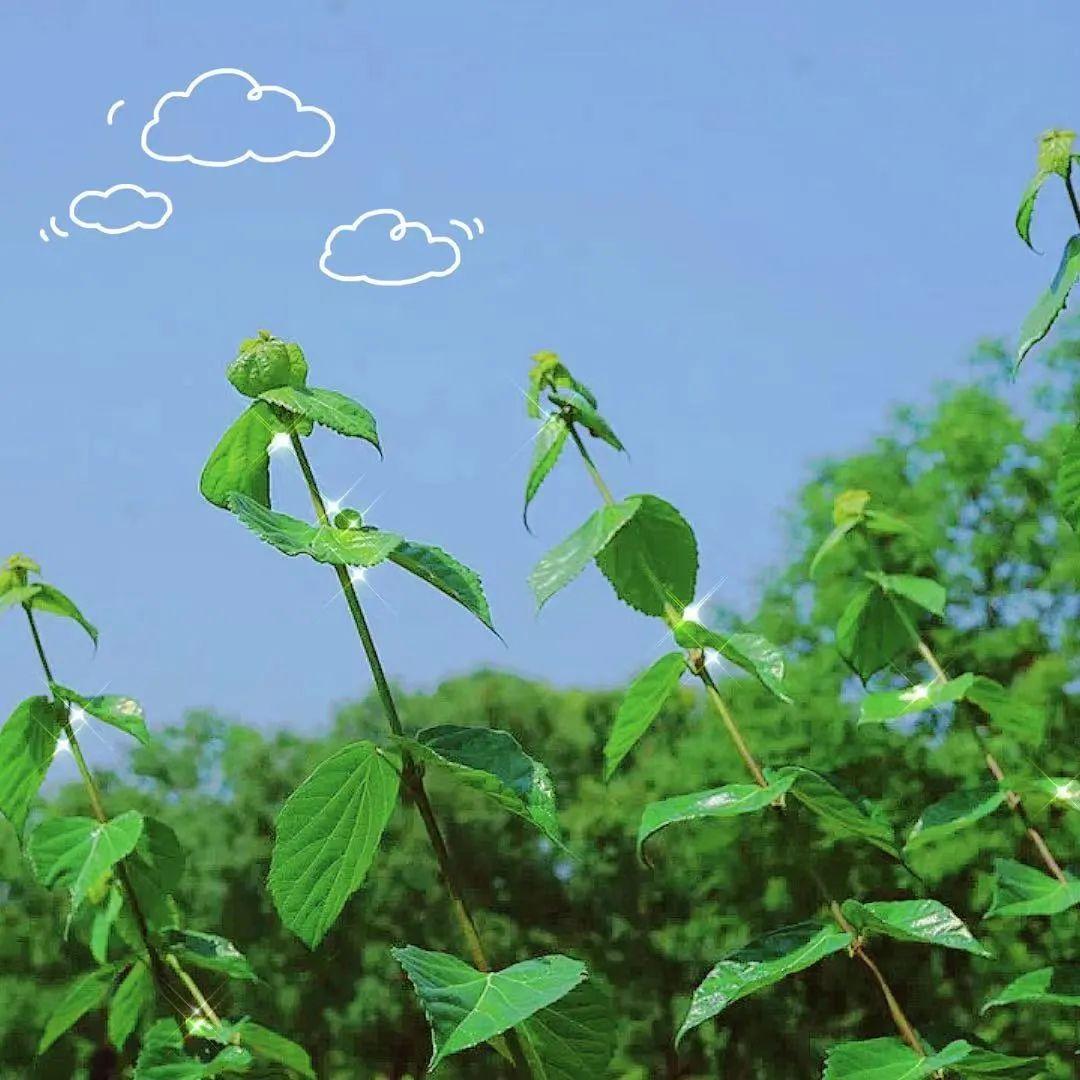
(973,473)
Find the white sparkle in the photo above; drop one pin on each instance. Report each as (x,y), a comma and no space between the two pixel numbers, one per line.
(62,745)
(356,574)
(712,658)
(919,692)
(1065,792)
(692,612)
(333,506)
(280,441)
(77,716)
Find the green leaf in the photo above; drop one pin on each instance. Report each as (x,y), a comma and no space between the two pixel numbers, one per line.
(953,813)
(925,592)
(837,535)
(641,705)
(723,802)
(272,1047)
(163,1057)
(870,632)
(1067,488)
(980,1062)
(52,601)
(580,410)
(819,794)
(159,849)
(27,746)
(893,704)
(20,594)
(1027,206)
(323,543)
(241,460)
(76,852)
(565,561)
(754,654)
(759,964)
(466,1007)
(575,1036)
(85,994)
(328,408)
(1046,986)
(889,1059)
(493,763)
(134,996)
(327,834)
(101,927)
(114,709)
(208,951)
(652,562)
(1020,721)
(926,921)
(548,445)
(1023,890)
(1052,302)
(445,573)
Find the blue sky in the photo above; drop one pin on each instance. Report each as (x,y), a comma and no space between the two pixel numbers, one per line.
(753,229)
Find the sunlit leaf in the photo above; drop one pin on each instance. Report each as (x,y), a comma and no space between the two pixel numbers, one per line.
(51,600)
(210,952)
(328,408)
(1023,890)
(163,1057)
(27,746)
(1016,719)
(548,445)
(641,705)
(893,704)
(270,1046)
(1052,302)
(753,653)
(134,997)
(925,921)
(241,460)
(574,1037)
(116,710)
(445,573)
(831,541)
(953,813)
(889,1059)
(1067,488)
(1046,986)
(925,592)
(580,410)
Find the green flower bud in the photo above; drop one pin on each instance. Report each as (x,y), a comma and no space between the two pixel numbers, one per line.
(1055,151)
(266,363)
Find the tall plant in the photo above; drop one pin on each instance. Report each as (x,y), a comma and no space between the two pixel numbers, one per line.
(648,553)
(119,874)
(540,1014)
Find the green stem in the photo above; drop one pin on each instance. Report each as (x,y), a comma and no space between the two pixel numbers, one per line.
(1072,194)
(157,965)
(411,776)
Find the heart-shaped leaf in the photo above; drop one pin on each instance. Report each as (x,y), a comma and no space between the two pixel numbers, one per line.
(116,710)
(871,631)
(27,746)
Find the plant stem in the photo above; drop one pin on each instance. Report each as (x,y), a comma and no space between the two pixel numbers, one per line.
(992,764)
(411,776)
(1072,194)
(157,963)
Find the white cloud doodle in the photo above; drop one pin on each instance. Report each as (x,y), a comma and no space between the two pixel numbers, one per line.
(255,93)
(393,226)
(88,207)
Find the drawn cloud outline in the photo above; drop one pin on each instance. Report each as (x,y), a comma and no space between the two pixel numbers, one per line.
(401,229)
(107,193)
(254,94)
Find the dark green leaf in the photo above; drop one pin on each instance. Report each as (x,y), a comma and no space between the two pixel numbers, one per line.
(580,410)
(1027,207)
(754,654)
(466,1007)
(27,746)
(270,1046)
(870,632)
(160,851)
(549,442)
(889,1059)
(893,704)
(86,993)
(641,705)
(76,852)
(1067,488)
(574,1037)
(980,1062)
(728,801)
(825,799)
(328,408)
(1046,986)
(953,813)
(926,921)
(493,763)
(163,1057)
(134,997)
(208,951)
(1023,890)
(101,927)
(1052,302)
(652,562)
(327,834)
(759,964)
(564,562)
(52,601)
(121,712)
(925,592)
(445,573)
(323,543)
(241,460)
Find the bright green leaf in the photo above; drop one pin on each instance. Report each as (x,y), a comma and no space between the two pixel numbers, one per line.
(27,746)
(493,763)
(327,834)
(1046,986)
(1067,488)
(565,561)
(728,801)
(953,813)
(640,706)
(207,951)
(19,594)
(980,1062)
(1020,721)
(115,709)
(134,996)
(759,964)
(163,1057)
(889,1059)
(445,573)
(832,540)
(824,798)
(52,601)
(870,632)
(925,592)
(892,704)
(1023,890)
(101,927)
(323,543)
(328,408)
(652,562)
(1026,209)
(76,852)
(1052,302)
(574,1037)
(272,1047)
(548,445)
(241,460)
(754,654)
(86,993)
(926,921)
(466,1007)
